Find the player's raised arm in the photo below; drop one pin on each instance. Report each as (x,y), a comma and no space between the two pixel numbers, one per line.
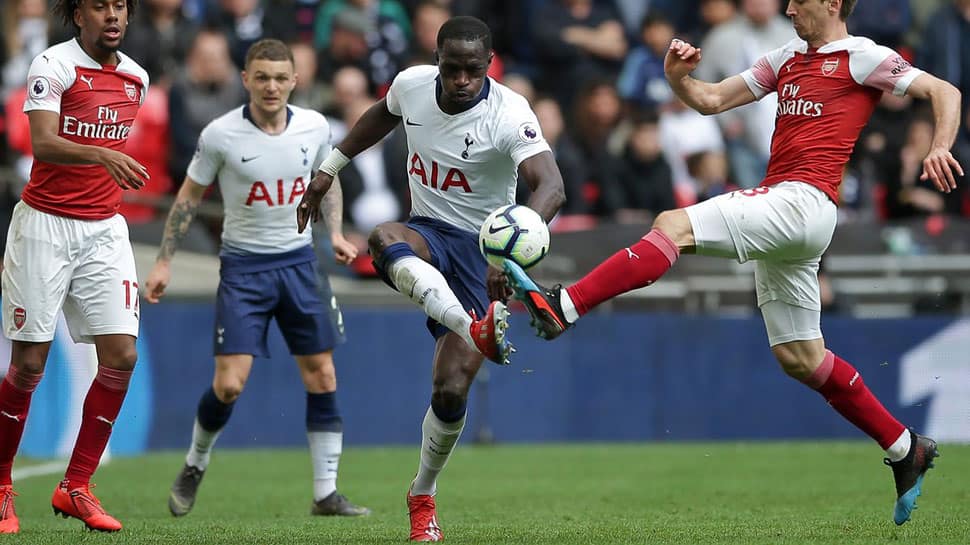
(176,226)
(374,125)
(707,98)
(542,174)
(939,164)
(49,147)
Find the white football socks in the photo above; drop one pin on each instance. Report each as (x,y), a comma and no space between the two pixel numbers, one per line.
(898,450)
(568,308)
(325,449)
(426,286)
(438,440)
(201,447)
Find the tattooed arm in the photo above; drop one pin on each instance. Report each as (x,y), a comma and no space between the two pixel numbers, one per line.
(333,214)
(179,218)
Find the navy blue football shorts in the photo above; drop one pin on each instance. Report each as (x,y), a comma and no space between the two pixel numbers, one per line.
(253,289)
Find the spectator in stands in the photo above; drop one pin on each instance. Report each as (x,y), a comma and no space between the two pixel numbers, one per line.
(373,35)
(709,168)
(429,15)
(577,41)
(907,194)
(883,21)
(729,49)
(714,13)
(684,132)
(246,21)
(520,83)
(159,38)
(568,157)
(309,92)
(642,83)
(24,37)
(945,51)
(595,119)
(645,186)
(206,87)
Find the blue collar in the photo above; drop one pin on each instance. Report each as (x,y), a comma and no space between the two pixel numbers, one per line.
(247,115)
(482,95)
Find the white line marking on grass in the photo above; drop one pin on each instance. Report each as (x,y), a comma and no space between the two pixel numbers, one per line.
(38,470)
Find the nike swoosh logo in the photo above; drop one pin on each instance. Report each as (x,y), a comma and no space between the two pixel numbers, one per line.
(493,230)
(248,159)
(412,123)
(14,417)
(105,420)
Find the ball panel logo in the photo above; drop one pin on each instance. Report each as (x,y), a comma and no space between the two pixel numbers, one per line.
(529,133)
(39,87)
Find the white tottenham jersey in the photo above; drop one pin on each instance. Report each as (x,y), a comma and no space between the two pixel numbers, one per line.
(461,167)
(262,177)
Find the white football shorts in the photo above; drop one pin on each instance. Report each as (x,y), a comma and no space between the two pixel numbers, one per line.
(84,267)
(786,228)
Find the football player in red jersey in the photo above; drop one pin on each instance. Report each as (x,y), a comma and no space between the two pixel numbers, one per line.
(68,247)
(828,83)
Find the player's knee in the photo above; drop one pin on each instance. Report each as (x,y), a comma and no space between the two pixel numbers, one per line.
(229,389)
(674,224)
(793,362)
(448,398)
(121,357)
(379,239)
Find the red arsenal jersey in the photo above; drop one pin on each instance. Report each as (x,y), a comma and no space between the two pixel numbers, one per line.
(825,97)
(97,106)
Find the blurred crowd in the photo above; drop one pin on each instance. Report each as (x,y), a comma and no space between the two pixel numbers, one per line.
(592,69)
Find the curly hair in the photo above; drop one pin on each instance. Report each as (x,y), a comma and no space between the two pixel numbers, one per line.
(64,9)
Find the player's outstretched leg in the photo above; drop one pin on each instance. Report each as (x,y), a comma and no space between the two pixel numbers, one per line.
(424,518)
(9,523)
(908,474)
(181,498)
(489,333)
(80,503)
(544,306)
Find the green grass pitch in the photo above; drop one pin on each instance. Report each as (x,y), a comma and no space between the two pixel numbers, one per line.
(662,493)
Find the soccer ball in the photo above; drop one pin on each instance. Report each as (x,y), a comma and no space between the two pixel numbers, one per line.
(514,232)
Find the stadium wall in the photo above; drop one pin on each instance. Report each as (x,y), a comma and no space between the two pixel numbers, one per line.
(616,377)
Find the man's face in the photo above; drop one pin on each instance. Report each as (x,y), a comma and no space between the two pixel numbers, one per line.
(811,18)
(269,84)
(102,23)
(463,67)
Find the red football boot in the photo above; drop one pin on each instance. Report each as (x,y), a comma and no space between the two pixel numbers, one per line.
(9,523)
(424,519)
(81,504)
(489,333)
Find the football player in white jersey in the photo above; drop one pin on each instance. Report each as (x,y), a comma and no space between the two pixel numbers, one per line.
(263,154)
(469,139)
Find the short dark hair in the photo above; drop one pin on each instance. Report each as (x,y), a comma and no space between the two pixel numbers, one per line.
(846,10)
(465,28)
(269,49)
(64,9)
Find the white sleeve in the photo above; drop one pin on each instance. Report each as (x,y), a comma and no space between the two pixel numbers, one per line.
(47,80)
(392,99)
(881,67)
(208,158)
(520,135)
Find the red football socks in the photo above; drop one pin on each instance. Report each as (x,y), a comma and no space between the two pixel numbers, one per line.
(635,267)
(15,392)
(101,408)
(842,386)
